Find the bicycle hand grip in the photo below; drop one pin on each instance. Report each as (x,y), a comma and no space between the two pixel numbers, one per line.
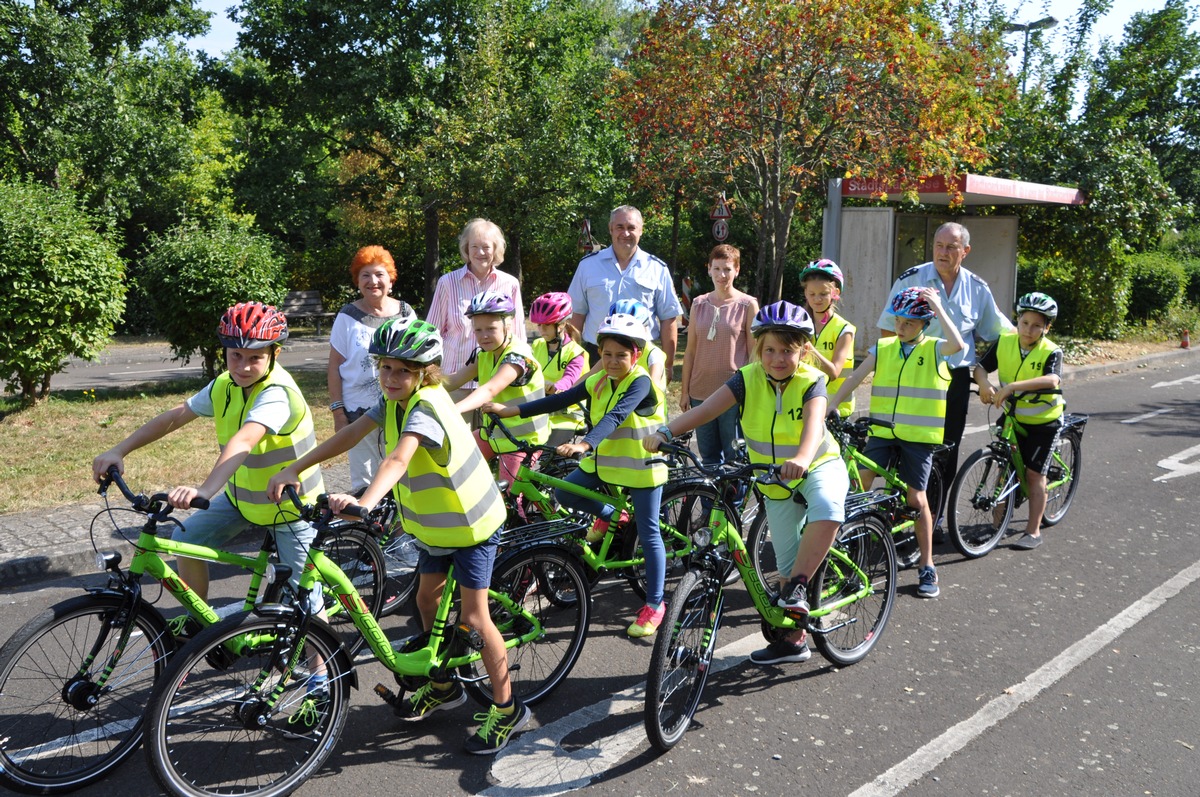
(354,510)
(290,492)
(199,502)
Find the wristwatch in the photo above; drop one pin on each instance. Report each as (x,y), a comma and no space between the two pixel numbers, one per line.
(665,431)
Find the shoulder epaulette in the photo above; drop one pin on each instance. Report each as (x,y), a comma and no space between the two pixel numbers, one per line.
(978,279)
(655,259)
(910,273)
(590,254)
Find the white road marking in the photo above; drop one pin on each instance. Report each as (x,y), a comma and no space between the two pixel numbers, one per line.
(1145,416)
(535,764)
(1187,380)
(975,429)
(930,756)
(1176,465)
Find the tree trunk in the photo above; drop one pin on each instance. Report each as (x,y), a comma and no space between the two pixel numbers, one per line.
(429,209)
(512,257)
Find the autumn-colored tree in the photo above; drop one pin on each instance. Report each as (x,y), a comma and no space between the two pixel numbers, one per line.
(767,99)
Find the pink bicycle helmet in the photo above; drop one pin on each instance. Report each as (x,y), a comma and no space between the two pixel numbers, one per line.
(550,308)
(252,325)
(825,268)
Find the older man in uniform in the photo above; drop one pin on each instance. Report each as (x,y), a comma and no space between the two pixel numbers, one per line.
(969,303)
(624,271)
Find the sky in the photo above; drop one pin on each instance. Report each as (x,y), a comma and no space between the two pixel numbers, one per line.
(223,35)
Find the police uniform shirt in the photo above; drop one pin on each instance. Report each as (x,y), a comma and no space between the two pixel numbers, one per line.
(970,306)
(599,282)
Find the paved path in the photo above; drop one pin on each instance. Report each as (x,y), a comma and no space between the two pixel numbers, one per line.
(51,543)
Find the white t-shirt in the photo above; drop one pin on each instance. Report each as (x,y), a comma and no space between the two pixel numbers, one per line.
(351,337)
(270,408)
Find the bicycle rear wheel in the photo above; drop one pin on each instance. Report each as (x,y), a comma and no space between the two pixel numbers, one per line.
(358,555)
(846,635)
(1065,464)
(223,731)
(550,585)
(60,731)
(975,517)
(683,650)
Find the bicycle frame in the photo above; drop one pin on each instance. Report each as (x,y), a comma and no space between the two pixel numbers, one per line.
(1004,443)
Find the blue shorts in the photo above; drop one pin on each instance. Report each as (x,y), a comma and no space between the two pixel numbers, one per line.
(472,565)
(912,461)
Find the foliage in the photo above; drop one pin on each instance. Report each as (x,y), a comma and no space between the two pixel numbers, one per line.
(196,273)
(1054,278)
(64,281)
(769,100)
(1158,282)
(1191,268)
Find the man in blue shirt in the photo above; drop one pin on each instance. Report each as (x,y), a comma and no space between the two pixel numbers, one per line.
(968,302)
(623,271)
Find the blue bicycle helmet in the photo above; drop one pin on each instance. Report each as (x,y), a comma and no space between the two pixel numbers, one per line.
(634,308)
(782,315)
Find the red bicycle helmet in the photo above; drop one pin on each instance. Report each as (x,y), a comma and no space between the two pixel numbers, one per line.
(252,325)
(550,308)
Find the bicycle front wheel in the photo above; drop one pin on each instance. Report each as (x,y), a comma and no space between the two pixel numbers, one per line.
(253,726)
(683,651)
(846,634)
(548,584)
(61,730)
(1065,465)
(684,510)
(762,552)
(359,556)
(976,516)
(400,554)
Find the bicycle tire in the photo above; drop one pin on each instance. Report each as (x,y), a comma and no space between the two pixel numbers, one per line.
(762,552)
(356,552)
(401,554)
(684,508)
(533,578)
(975,522)
(52,746)
(679,664)
(846,635)
(1058,500)
(203,738)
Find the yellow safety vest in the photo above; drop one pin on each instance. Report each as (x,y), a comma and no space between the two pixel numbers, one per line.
(826,343)
(773,421)
(910,391)
(1036,408)
(553,367)
(455,504)
(644,361)
(535,429)
(620,458)
(247,490)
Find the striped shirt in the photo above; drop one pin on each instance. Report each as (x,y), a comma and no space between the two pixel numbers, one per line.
(448,310)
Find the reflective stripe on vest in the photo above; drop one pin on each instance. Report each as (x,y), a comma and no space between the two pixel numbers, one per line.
(910,392)
(620,458)
(247,489)
(773,422)
(534,429)
(454,505)
(1035,407)
(826,343)
(553,368)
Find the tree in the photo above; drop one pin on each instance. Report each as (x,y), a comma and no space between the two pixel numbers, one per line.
(65,288)
(196,273)
(768,100)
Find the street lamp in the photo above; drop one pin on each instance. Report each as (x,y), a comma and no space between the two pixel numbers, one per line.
(1015,27)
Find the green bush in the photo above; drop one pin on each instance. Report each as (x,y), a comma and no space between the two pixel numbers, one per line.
(195,274)
(65,286)
(1192,292)
(1158,282)
(1053,278)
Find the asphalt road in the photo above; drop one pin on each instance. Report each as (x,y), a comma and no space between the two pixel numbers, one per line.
(1069,670)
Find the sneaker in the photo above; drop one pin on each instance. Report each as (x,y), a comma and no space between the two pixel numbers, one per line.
(781,652)
(184,626)
(793,596)
(647,621)
(428,699)
(927,585)
(601,526)
(1028,542)
(495,729)
(312,707)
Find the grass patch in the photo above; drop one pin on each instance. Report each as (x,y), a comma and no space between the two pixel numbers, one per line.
(47,450)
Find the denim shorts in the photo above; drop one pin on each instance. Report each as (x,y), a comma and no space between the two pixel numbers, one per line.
(472,565)
(913,461)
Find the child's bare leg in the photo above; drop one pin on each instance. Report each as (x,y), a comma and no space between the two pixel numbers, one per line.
(495,656)
(429,592)
(1037,502)
(924,530)
(194,572)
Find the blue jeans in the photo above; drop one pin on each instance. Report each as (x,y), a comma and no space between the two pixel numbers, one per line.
(647,503)
(714,440)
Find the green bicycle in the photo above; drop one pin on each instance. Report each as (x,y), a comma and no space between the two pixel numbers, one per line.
(266,721)
(850,596)
(75,679)
(991,484)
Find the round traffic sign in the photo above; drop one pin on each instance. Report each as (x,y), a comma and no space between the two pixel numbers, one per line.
(720,229)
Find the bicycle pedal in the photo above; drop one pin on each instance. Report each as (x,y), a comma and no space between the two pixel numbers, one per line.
(469,635)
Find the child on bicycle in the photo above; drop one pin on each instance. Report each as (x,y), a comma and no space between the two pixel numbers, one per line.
(448,501)
(833,351)
(1029,365)
(624,405)
(781,401)
(561,357)
(651,358)
(909,393)
(262,422)
(507,371)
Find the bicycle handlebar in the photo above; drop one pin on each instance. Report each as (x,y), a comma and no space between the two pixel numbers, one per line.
(494,421)
(139,501)
(769,470)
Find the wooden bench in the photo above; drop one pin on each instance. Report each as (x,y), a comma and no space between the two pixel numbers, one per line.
(305,305)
